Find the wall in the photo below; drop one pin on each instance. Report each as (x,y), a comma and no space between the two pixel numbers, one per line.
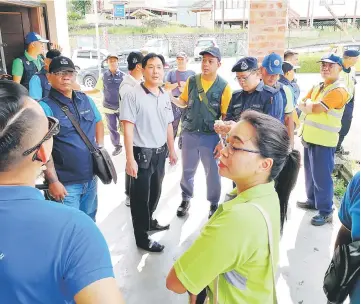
(180,42)
(267,27)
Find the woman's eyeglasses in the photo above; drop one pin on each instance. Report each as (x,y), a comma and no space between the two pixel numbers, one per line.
(233,149)
(54,129)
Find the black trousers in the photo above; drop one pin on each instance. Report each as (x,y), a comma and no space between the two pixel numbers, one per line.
(127,184)
(145,190)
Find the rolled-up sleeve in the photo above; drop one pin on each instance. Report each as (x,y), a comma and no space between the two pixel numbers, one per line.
(128,108)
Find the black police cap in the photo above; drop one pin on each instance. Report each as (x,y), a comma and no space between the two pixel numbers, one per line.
(245,64)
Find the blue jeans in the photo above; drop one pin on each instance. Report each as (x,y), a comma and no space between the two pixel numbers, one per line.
(83,197)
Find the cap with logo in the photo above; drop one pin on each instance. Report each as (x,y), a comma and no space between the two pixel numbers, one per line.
(61,63)
(288,66)
(32,37)
(246,64)
(181,55)
(112,55)
(273,64)
(331,58)
(134,58)
(213,51)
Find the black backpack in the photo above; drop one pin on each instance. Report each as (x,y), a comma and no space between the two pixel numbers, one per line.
(342,273)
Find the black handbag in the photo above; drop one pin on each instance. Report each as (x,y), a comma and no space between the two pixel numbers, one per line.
(342,273)
(102,162)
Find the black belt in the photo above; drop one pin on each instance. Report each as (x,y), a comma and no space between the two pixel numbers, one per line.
(155,150)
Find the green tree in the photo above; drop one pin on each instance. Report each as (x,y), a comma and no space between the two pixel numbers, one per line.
(81,6)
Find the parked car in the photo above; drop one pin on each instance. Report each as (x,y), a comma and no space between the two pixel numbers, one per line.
(158,46)
(202,44)
(85,58)
(88,77)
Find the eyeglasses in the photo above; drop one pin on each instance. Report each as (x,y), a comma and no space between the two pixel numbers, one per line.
(54,129)
(65,73)
(233,149)
(244,78)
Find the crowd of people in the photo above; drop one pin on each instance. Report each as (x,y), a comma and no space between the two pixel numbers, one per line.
(246,136)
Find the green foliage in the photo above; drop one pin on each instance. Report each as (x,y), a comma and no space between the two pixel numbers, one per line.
(339,187)
(74,16)
(80,6)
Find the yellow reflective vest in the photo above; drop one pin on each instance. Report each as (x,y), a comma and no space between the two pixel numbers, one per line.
(322,128)
(348,79)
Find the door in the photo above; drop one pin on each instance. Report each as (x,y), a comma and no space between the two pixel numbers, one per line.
(13,27)
(83,59)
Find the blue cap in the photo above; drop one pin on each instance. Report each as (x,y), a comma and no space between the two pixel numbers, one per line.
(351,53)
(213,51)
(273,64)
(331,58)
(32,37)
(245,64)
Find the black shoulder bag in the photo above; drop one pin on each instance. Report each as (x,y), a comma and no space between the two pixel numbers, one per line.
(102,162)
(342,273)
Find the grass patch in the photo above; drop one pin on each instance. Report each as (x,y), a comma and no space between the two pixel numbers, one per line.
(339,187)
(308,62)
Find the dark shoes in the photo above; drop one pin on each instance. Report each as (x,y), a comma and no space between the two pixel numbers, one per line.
(152,246)
(320,220)
(183,208)
(118,150)
(305,205)
(154,226)
(212,210)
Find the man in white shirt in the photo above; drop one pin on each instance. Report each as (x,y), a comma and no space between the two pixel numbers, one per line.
(134,77)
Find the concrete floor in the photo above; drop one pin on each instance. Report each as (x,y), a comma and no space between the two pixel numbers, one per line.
(305,250)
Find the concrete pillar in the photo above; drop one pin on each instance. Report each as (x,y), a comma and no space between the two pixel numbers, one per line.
(58,24)
(267,27)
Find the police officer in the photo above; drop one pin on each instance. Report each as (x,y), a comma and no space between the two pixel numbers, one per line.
(348,77)
(322,113)
(206,98)
(271,69)
(251,96)
(31,62)
(109,83)
(175,82)
(39,85)
(147,117)
(70,173)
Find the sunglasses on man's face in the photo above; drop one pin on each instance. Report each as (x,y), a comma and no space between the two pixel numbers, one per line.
(54,129)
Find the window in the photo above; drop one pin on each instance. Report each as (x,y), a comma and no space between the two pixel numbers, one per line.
(84,54)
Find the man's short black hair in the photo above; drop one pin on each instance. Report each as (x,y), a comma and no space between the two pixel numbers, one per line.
(51,54)
(150,56)
(16,124)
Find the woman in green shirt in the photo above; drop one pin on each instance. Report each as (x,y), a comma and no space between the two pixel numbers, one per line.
(234,243)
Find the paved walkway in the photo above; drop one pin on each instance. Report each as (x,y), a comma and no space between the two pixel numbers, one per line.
(305,250)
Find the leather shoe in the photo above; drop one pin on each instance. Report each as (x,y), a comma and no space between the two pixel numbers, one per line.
(154,226)
(183,208)
(212,210)
(152,246)
(305,205)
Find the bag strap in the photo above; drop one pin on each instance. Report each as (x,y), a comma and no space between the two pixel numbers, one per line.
(204,96)
(177,77)
(76,125)
(215,292)
(270,244)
